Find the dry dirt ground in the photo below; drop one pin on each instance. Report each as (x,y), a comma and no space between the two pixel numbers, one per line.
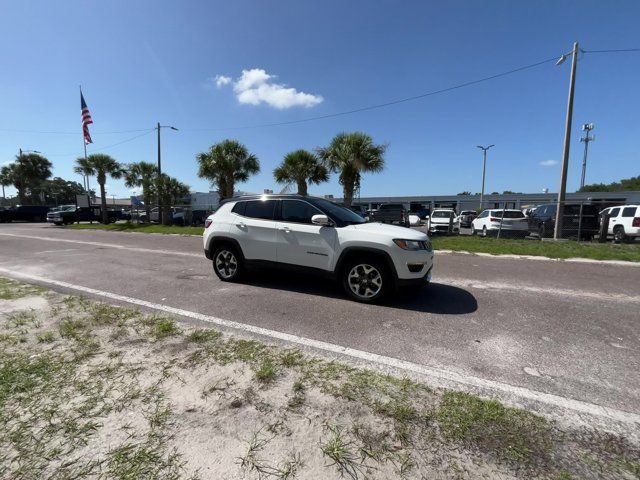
(91,390)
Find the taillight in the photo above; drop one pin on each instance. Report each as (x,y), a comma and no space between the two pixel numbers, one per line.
(495,219)
(636,222)
(207,222)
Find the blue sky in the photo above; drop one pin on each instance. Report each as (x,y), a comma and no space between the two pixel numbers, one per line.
(140,62)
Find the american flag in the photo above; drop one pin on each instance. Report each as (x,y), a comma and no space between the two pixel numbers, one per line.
(86,120)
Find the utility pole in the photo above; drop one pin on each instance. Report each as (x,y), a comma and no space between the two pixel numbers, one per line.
(484,169)
(557,234)
(159,180)
(587,127)
(158,127)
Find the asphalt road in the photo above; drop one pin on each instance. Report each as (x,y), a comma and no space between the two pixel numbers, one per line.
(567,329)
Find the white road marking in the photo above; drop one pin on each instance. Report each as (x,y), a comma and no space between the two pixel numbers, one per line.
(484,285)
(621,263)
(107,245)
(437,375)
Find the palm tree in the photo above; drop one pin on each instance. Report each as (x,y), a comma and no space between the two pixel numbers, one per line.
(351,154)
(5,179)
(142,174)
(27,173)
(170,191)
(301,167)
(226,163)
(101,165)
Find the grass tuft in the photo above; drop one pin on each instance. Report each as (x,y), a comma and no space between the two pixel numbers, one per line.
(510,433)
(203,336)
(266,372)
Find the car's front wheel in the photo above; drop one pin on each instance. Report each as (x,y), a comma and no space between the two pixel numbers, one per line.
(227,264)
(366,280)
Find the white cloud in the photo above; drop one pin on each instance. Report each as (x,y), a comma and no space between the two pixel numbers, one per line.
(549,163)
(256,86)
(222,80)
(6,164)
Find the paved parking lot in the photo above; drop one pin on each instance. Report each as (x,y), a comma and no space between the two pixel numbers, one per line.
(548,328)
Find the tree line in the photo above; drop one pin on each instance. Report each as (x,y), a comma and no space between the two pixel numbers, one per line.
(348,154)
(224,164)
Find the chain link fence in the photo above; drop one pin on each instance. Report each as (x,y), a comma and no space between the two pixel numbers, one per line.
(585,221)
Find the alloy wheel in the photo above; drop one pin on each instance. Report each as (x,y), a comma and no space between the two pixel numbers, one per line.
(365,281)
(226,264)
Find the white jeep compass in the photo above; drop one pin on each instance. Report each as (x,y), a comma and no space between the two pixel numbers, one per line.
(369,259)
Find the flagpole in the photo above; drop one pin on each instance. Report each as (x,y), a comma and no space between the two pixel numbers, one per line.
(84,144)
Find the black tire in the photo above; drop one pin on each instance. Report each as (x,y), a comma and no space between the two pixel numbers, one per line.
(619,235)
(485,234)
(366,280)
(228,263)
(542,231)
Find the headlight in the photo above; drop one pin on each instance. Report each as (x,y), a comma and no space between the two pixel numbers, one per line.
(409,244)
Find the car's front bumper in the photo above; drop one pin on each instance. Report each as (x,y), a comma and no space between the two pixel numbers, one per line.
(415,282)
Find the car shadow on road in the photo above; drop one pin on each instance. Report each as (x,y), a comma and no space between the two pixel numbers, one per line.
(437,298)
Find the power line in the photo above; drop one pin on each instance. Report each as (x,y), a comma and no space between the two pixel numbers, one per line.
(346,112)
(106,147)
(9,130)
(615,50)
(381,105)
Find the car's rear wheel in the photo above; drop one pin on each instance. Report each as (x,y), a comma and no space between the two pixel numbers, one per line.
(366,280)
(227,264)
(619,235)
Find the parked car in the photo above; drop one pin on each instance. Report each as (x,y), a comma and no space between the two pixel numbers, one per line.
(25,213)
(414,220)
(441,219)
(391,213)
(466,217)
(542,221)
(368,259)
(178,216)
(514,223)
(72,214)
(624,222)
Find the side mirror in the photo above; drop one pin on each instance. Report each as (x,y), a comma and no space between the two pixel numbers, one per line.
(322,220)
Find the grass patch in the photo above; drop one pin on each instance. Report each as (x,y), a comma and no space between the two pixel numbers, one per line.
(139,228)
(46,337)
(12,290)
(341,453)
(266,372)
(164,328)
(203,336)
(510,433)
(569,249)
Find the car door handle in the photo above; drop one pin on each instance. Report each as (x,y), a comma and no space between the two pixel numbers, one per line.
(286,229)
(241,225)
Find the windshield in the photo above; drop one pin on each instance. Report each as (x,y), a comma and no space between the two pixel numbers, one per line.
(341,214)
(441,214)
(508,214)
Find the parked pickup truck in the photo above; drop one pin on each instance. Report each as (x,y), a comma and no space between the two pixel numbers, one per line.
(24,213)
(391,213)
(70,214)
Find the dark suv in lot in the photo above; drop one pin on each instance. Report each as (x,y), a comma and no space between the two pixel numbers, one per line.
(542,221)
(25,213)
(391,213)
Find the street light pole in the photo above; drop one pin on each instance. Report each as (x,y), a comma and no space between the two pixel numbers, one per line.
(158,127)
(557,234)
(587,127)
(484,169)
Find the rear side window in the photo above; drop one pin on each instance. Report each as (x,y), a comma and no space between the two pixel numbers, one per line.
(239,208)
(614,212)
(629,212)
(260,209)
(298,212)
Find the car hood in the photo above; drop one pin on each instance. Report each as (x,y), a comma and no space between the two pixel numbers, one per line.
(390,230)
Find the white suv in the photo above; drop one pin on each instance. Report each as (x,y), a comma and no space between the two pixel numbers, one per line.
(369,259)
(624,222)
